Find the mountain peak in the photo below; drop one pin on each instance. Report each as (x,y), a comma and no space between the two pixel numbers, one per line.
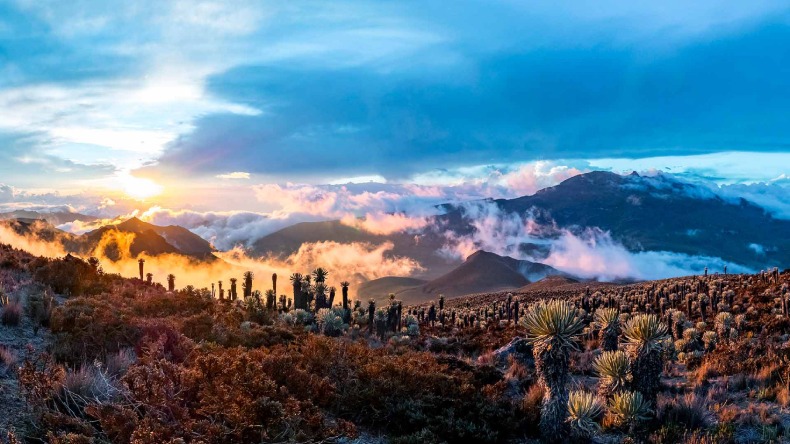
(134,224)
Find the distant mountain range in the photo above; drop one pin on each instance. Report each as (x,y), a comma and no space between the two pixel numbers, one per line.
(54,218)
(642,213)
(657,213)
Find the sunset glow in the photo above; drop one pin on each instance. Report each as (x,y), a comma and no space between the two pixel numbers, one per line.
(140,188)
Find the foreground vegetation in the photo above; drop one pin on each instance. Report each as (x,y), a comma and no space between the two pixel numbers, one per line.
(698,359)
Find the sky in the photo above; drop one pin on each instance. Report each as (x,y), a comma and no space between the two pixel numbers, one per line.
(253,107)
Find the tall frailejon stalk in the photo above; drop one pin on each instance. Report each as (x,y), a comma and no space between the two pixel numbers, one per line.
(346,312)
(171,283)
(552,328)
(296,281)
(645,335)
(607,320)
(247,285)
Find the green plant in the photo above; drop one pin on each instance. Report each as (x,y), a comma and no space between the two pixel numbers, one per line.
(607,321)
(614,369)
(552,327)
(645,336)
(584,411)
(628,409)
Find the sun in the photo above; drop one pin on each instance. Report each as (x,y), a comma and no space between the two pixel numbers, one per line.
(139,188)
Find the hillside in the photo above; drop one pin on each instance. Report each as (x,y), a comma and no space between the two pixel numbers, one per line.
(481,272)
(380,288)
(421,247)
(150,239)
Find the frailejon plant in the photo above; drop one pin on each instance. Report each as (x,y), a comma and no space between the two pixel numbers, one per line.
(607,321)
(614,370)
(629,409)
(723,325)
(645,335)
(584,411)
(552,328)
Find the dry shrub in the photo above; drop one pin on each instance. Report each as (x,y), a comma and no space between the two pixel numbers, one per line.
(118,363)
(783,396)
(8,361)
(12,314)
(516,371)
(689,411)
(768,375)
(39,308)
(531,405)
(87,329)
(706,371)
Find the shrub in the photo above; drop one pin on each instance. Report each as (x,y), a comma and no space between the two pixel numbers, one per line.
(689,411)
(12,314)
(87,329)
(39,309)
(7,361)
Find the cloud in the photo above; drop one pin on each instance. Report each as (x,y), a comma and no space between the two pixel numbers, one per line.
(512,103)
(355,262)
(384,223)
(234,175)
(591,253)
(594,254)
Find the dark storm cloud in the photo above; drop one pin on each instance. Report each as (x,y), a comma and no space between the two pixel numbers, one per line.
(505,105)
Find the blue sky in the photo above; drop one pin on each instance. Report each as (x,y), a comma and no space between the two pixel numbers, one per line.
(185,93)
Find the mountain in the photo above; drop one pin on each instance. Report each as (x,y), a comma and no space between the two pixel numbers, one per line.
(657,213)
(421,247)
(481,272)
(54,218)
(43,231)
(150,239)
(660,214)
(382,287)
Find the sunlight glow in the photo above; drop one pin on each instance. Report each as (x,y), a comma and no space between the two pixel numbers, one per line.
(138,188)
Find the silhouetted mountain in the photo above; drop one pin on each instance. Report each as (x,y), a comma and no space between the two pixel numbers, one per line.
(148,238)
(482,272)
(41,230)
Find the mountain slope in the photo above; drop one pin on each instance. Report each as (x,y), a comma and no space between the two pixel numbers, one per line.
(421,247)
(150,239)
(481,272)
(382,287)
(662,214)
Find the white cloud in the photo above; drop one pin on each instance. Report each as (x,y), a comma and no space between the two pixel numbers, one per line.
(234,175)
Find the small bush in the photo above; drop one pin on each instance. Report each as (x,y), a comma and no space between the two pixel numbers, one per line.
(690,411)
(7,361)
(12,314)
